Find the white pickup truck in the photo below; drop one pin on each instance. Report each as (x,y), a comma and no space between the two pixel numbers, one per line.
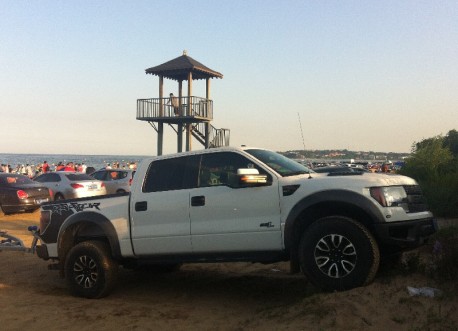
(235,204)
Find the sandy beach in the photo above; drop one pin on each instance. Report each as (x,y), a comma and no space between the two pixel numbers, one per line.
(229,296)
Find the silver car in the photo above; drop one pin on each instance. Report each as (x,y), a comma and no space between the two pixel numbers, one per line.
(115,180)
(70,185)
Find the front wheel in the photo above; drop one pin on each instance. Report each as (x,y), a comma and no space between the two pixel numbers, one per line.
(337,253)
(90,271)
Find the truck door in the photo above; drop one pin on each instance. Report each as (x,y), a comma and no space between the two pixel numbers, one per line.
(160,212)
(225,218)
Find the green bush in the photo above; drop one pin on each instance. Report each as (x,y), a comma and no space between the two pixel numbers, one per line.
(434,165)
(441,193)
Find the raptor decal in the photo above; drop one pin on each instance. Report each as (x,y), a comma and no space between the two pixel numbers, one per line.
(73,206)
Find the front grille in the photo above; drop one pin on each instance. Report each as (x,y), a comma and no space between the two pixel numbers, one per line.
(415,199)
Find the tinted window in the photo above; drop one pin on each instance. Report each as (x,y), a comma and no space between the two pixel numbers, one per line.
(54,178)
(171,174)
(41,178)
(15,180)
(221,168)
(48,178)
(113,175)
(100,175)
(75,177)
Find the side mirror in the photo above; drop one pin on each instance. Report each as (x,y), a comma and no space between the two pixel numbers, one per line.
(251,178)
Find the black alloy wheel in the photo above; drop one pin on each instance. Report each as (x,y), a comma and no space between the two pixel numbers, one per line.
(337,253)
(90,271)
(335,256)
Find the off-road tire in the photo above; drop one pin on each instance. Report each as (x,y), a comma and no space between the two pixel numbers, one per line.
(90,271)
(337,253)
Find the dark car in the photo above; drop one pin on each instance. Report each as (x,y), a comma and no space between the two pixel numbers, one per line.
(18,193)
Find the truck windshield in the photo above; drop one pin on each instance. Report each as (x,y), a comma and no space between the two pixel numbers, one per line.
(281,164)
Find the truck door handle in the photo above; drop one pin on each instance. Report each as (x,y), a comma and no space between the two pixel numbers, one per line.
(198,201)
(141,206)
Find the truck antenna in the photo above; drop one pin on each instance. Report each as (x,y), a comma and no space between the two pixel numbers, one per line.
(302,132)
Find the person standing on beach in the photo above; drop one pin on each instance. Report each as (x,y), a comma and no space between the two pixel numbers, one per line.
(69,167)
(45,167)
(30,171)
(60,166)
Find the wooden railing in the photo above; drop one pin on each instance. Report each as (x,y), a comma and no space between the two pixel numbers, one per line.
(217,137)
(157,108)
(221,138)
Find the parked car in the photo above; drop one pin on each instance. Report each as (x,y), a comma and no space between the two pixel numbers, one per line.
(18,193)
(115,180)
(70,185)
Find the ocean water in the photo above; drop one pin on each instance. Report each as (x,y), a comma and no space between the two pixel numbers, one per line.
(96,161)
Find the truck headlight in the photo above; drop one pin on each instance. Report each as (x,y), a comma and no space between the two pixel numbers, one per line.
(390,196)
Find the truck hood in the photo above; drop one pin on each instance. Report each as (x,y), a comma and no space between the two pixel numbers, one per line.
(364,180)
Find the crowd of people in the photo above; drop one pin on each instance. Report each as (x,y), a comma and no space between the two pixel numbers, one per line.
(31,170)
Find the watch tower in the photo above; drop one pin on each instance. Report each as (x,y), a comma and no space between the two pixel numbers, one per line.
(186,114)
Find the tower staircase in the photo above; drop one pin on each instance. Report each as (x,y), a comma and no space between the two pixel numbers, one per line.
(217,137)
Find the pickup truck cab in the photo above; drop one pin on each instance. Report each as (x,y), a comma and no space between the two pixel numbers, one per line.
(236,204)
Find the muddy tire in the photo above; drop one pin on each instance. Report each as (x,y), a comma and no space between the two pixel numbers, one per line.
(337,253)
(90,271)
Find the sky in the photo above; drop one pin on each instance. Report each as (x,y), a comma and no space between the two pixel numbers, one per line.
(357,75)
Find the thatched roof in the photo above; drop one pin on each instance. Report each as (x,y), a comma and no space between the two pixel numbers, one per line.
(178,69)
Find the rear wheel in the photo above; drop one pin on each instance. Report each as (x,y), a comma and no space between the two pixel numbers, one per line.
(58,196)
(337,253)
(90,271)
